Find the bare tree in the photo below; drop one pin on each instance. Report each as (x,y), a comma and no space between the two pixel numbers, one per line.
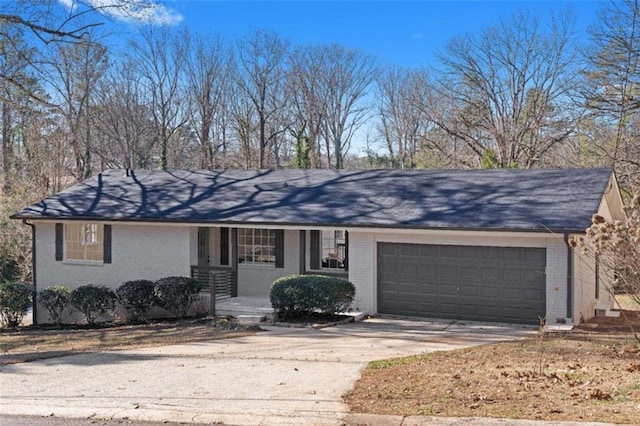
(402,124)
(245,124)
(308,104)
(506,92)
(261,77)
(124,124)
(612,84)
(346,76)
(53,22)
(207,82)
(77,68)
(14,63)
(161,58)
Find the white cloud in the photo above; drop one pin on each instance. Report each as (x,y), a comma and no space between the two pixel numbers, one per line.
(143,11)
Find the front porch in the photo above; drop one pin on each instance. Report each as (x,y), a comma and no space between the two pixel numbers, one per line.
(221,282)
(239,265)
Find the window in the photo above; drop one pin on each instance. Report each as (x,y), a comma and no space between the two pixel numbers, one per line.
(84,241)
(257,246)
(333,249)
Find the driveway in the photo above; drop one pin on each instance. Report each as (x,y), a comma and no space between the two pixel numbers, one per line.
(281,376)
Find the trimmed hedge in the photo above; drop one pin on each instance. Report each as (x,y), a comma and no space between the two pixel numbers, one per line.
(177,294)
(297,295)
(55,300)
(93,300)
(15,300)
(137,298)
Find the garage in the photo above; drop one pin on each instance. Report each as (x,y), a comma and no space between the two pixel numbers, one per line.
(501,284)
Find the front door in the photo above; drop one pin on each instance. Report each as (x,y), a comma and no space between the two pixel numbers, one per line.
(203,246)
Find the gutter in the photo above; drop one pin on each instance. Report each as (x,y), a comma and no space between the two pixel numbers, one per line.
(296,225)
(569,276)
(33,270)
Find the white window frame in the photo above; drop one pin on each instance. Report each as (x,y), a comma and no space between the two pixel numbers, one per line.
(332,256)
(252,245)
(89,237)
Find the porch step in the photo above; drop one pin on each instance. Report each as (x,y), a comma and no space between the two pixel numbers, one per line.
(245,306)
(250,319)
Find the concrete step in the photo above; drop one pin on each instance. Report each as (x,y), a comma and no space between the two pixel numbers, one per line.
(250,319)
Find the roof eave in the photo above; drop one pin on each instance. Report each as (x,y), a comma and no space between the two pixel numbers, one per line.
(545,230)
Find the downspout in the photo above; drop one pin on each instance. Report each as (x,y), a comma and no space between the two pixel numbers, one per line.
(569,276)
(33,270)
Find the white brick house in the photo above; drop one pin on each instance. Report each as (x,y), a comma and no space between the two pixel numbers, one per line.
(483,245)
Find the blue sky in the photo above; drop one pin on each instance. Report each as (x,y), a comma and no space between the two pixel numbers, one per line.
(403,33)
(406,33)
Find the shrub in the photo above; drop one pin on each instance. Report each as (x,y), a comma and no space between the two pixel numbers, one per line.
(15,300)
(9,270)
(137,298)
(177,294)
(55,300)
(93,300)
(296,295)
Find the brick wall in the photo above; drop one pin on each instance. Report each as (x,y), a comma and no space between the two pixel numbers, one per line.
(138,252)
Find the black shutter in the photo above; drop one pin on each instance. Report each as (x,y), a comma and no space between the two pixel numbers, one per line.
(314,256)
(279,234)
(59,241)
(303,249)
(224,246)
(107,244)
(346,250)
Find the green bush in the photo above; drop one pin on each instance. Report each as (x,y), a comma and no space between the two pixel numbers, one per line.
(93,300)
(9,270)
(176,294)
(296,295)
(137,298)
(15,300)
(55,300)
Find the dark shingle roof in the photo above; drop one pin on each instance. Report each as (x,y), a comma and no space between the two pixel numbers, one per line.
(555,200)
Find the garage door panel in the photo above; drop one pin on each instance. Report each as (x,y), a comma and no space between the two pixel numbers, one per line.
(465,282)
(429,251)
(491,253)
(511,254)
(427,270)
(469,273)
(451,251)
(428,289)
(488,274)
(538,256)
(388,249)
(512,276)
(448,273)
(409,250)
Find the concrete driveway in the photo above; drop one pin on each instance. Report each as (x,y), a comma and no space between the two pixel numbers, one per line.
(281,376)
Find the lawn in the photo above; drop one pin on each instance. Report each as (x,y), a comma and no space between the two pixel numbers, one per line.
(584,375)
(32,343)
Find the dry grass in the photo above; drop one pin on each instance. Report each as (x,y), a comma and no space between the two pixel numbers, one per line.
(28,344)
(586,377)
(627,302)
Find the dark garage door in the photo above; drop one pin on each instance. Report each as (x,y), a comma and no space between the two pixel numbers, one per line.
(504,284)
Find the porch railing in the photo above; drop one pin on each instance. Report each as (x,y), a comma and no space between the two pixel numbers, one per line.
(220,279)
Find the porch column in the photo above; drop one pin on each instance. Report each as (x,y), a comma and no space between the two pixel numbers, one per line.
(234,261)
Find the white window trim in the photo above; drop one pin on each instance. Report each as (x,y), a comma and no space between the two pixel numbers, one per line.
(252,263)
(90,262)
